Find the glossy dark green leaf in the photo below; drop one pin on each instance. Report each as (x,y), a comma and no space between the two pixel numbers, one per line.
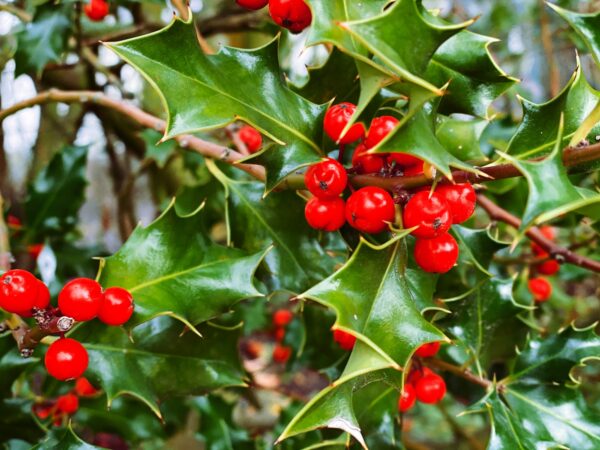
(64,439)
(12,364)
(297,259)
(158,151)
(475,80)
(55,196)
(461,137)
(207,91)
(480,321)
(587,27)
(477,247)
(161,349)
(44,39)
(173,269)
(537,132)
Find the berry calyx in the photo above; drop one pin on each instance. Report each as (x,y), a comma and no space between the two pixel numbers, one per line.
(379,129)
(345,340)
(68,403)
(369,209)
(325,214)
(326,179)
(96,10)
(437,255)
(430,388)
(549,267)
(282,317)
(18,291)
(428,350)
(281,353)
(429,212)
(252,4)
(336,119)
(80,299)
(407,398)
(66,359)
(116,306)
(364,162)
(251,138)
(295,15)
(84,388)
(461,199)
(540,288)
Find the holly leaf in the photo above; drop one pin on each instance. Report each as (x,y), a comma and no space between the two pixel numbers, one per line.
(537,132)
(254,222)
(12,364)
(64,439)
(587,26)
(477,247)
(480,320)
(44,39)
(202,91)
(144,365)
(156,150)
(173,269)
(382,36)
(47,212)
(475,80)
(461,137)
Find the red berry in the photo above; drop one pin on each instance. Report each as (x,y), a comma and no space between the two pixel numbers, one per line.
(428,350)
(369,208)
(80,299)
(295,15)
(34,250)
(549,233)
(84,388)
(416,374)
(42,299)
(13,221)
(282,317)
(252,4)
(430,212)
(414,170)
(281,353)
(66,359)
(379,129)
(326,179)
(43,411)
(325,214)
(437,255)
(345,340)
(540,288)
(18,291)
(279,334)
(68,403)
(364,162)
(430,388)
(336,119)
(96,10)
(116,307)
(404,160)
(461,198)
(407,398)
(250,137)
(549,267)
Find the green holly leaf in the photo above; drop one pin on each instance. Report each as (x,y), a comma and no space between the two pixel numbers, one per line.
(156,150)
(537,132)
(461,137)
(382,36)
(64,439)
(44,39)
(12,364)
(173,269)
(202,91)
(143,366)
(475,80)
(47,212)
(297,259)
(587,26)
(480,320)
(477,247)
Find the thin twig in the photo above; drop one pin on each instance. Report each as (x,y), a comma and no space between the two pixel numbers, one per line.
(459,371)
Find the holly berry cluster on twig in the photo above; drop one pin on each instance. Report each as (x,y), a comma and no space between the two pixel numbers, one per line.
(295,15)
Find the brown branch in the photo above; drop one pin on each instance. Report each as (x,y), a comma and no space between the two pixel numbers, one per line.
(561,254)
(28,338)
(458,371)
(187,141)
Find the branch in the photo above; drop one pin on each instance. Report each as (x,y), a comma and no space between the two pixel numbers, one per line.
(458,371)
(561,254)
(187,141)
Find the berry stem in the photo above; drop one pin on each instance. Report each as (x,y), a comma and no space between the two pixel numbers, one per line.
(28,338)
(458,371)
(341,152)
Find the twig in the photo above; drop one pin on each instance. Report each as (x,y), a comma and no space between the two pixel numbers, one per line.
(561,254)
(463,373)
(5,255)
(28,338)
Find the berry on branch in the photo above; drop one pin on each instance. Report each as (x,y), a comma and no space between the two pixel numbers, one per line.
(325,214)
(252,4)
(540,288)
(429,212)
(116,306)
(430,388)
(379,129)
(407,398)
(369,209)
(461,199)
(251,138)
(66,359)
(326,179)
(80,299)
(336,119)
(18,291)
(282,317)
(96,10)
(345,340)
(428,350)
(437,255)
(364,162)
(295,15)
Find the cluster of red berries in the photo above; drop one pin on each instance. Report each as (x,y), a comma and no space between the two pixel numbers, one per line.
(15,224)
(65,405)
(295,15)
(422,383)
(251,138)
(81,299)
(96,10)
(540,287)
(281,319)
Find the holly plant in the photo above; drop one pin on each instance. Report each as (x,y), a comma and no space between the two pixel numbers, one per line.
(300,224)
